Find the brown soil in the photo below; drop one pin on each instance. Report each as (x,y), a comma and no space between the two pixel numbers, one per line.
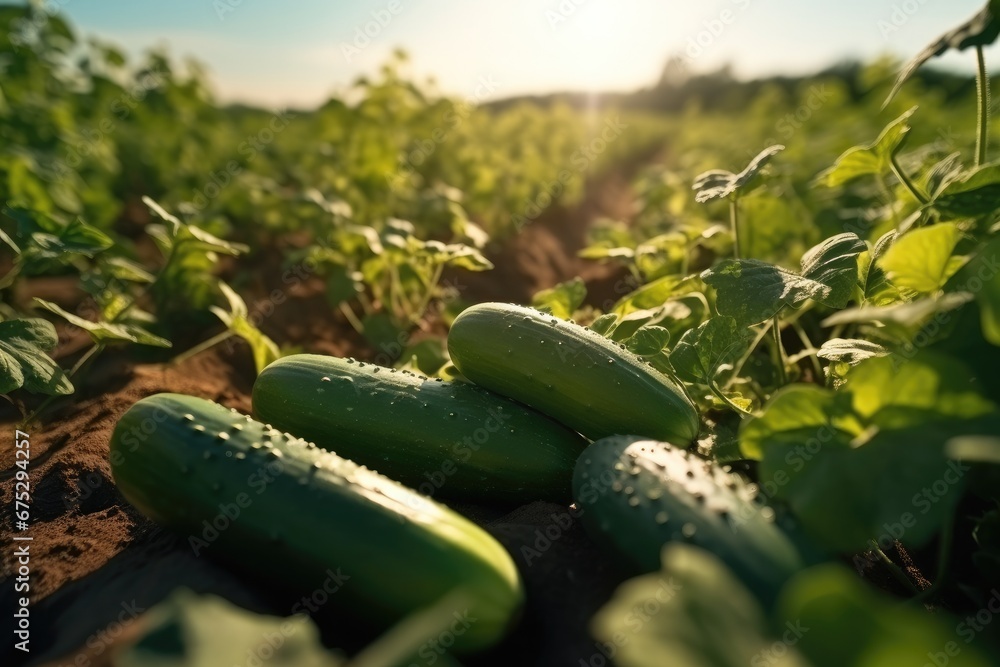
(92,555)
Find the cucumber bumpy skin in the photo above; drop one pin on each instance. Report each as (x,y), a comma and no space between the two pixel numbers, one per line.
(637,494)
(284,509)
(568,372)
(452,439)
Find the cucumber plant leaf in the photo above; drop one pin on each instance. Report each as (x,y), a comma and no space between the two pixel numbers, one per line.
(903,316)
(721,184)
(706,617)
(829,603)
(922,260)
(874,159)
(834,263)
(562,300)
(700,352)
(24,362)
(883,435)
(651,295)
(981,30)
(189,629)
(972,194)
(850,350)
(752,291)
(107,332)
(605,324)
(455,254)
(237,320)
(47,241)
(984,271)
(873,284)
(648,340)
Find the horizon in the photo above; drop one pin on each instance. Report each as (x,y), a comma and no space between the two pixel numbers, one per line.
(562,46)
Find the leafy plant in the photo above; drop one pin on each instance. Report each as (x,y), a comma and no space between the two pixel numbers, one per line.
(721,184)
(24,362)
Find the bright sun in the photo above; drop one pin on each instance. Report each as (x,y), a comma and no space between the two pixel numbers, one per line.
(594,37)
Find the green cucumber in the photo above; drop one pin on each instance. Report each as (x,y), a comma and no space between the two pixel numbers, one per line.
(451,439)
(636,495)
(569,372)
(291,512)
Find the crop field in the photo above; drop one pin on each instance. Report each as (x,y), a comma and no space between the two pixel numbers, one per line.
(705,374)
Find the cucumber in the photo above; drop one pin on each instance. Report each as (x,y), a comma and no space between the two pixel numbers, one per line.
(636,495)
(570,373)
(290,512)
(449,439)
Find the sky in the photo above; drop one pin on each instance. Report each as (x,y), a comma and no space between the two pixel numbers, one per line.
(299,52)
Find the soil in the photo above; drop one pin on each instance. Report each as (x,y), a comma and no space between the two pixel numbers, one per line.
(96,563)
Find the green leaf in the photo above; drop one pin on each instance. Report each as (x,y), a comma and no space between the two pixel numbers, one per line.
(562,300)
(842,621)
(886,477)
(834,263)
(720,184)
(904,315)
(794,416)
(189,630)
(772,227)
(883,436)
(50,239)
(23,359)
(651,295)
(984,272)
(704,617)
(981,30)
(343,285)
(922,259)
(76,238)
(459,255)
(752,291)
(648,340)
(874,284)
(975,193)
(125,270)
(7,240)
(894,393)
(237,321)
(407,642)
(107,332)
(850,350)
(605,324)
(874,159)
(701,351)
(160,212)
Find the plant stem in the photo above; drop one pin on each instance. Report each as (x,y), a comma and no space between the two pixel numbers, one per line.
(779,351)
(944,553)
(349,313)
(734,222)
(428,293)
(907,183)
(810,348)
(201,347)
(725,399)
(894,569)
(397,298)
(738,367)
(983,106)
